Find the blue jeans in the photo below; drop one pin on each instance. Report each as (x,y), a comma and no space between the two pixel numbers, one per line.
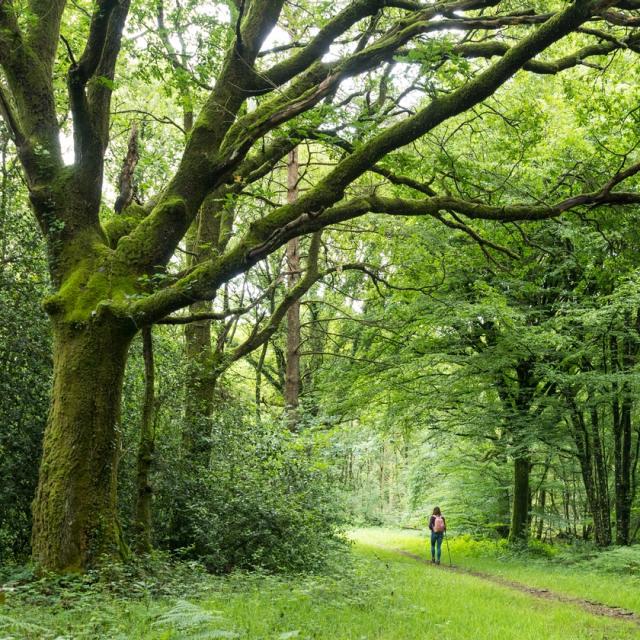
(436,544)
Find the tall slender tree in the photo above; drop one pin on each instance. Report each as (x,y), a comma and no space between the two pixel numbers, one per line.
(292,375)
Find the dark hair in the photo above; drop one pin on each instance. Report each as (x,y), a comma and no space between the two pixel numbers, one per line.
(437,512)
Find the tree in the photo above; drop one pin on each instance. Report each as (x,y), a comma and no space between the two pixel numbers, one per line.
(292,375)
(113,275)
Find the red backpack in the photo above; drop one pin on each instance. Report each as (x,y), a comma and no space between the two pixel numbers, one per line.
(438,524)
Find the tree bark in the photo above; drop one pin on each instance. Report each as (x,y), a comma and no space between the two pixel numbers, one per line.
(316,340)
(521,500)
(201,375)
(591,458)
(623,359)
(258,391)
(601,478)
(199,386)
(541,505)
(623,484)
(292,372)
(75,515)
(521,507)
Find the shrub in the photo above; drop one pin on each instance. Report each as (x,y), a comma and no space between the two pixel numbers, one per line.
(265,500)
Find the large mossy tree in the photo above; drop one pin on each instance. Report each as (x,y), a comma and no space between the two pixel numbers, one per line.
(113,275)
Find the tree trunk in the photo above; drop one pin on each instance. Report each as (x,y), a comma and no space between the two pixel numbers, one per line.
(74,513)
(591,458)
(201,378)
(521,500)
(624,353)
(623,491)
(144,492)
(541,505)
(200,387)
(315,339)
(258,391)
(521,507)
(292,373)
(601,505)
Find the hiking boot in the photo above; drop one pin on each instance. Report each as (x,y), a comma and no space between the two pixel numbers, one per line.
(437,561)
(433,560)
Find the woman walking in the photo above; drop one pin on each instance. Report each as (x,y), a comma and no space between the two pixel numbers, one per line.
(438,526)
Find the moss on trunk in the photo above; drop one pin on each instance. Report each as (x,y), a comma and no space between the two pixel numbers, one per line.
(74,511)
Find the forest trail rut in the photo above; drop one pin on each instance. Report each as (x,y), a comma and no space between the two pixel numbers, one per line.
(596,608)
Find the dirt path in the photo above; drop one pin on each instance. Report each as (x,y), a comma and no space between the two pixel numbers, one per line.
(596,608)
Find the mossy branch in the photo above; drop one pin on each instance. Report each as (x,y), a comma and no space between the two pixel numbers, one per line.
(29,101)
(218,142)
(44,29)
(551,67)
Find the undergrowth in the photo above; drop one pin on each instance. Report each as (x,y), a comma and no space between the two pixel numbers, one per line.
(580,556)
(161,597)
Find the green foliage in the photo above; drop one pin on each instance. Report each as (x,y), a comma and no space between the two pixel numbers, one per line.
(25,362)
(265,501)
(12,625)
(620,560)
(192,621)
(416,374)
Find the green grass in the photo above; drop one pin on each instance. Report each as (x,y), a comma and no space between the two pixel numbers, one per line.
(590,579)
(398,598)
(379,595)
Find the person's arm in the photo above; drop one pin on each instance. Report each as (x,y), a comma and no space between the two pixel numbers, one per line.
(431,521)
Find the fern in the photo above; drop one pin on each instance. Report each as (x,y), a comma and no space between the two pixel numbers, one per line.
(193,622)
(31,630)
(214,634)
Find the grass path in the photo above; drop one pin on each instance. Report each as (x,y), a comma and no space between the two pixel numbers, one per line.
(596,608)
(393,597)
(616,590)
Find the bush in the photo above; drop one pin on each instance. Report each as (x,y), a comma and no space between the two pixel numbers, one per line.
(265,501)
(473,547)
(619,560)
(25,376)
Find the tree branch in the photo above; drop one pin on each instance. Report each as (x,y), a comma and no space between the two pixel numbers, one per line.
(307,213)
(44,29)
(29,102)
(8,115)
(91,108)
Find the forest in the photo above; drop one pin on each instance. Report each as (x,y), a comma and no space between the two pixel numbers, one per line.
(282,279)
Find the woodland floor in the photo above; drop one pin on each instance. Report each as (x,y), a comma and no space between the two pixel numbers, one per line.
(389,591)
